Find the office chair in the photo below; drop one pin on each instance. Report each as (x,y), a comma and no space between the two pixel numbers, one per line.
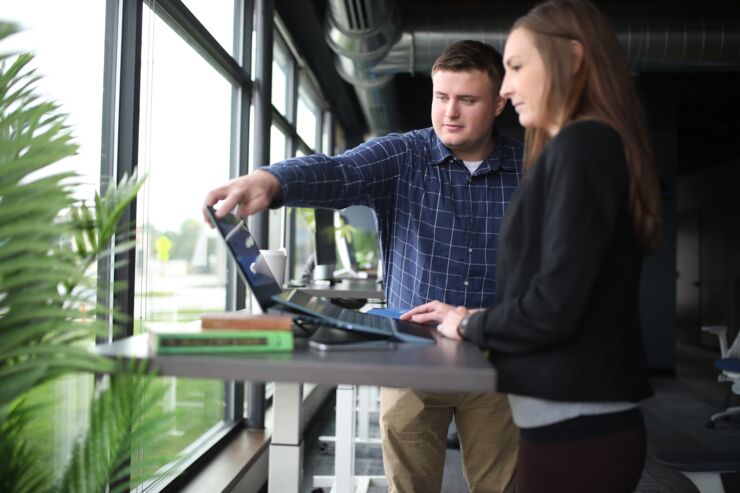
(729,365)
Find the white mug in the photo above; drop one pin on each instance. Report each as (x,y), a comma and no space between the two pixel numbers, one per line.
(273,261)
(276,260)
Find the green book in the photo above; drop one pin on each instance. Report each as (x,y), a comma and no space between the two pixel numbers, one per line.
(220,341)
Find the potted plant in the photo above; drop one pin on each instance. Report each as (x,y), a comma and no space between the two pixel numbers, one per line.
(48,243)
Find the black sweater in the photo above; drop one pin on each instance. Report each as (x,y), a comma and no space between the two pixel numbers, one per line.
(566,325)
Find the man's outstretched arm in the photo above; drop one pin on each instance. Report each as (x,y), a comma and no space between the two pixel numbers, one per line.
(250,194)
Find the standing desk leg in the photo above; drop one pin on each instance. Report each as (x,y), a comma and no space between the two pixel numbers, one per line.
(375,399)
(344,479)
(344,452)
(363,416)
(286,448)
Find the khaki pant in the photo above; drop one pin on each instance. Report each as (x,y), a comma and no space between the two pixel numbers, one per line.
(414,428)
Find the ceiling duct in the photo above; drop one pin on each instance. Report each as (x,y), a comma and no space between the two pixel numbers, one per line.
(677,37)
(361,33)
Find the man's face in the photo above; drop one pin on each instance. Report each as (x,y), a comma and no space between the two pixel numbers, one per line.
(464,107)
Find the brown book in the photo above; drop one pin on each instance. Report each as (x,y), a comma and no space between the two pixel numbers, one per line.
(245,321)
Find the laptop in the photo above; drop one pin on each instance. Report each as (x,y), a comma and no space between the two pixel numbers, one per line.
(254,270)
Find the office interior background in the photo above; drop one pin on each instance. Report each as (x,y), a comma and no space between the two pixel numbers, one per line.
(194,92)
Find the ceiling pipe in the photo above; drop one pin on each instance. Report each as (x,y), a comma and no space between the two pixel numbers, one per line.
(362,33)
(691,37)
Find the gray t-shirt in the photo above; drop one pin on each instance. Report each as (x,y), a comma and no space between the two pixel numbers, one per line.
(530,412)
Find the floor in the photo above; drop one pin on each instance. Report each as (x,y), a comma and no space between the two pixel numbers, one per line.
(684,401)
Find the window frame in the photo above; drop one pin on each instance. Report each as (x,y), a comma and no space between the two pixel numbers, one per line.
(121,93)
(120,146)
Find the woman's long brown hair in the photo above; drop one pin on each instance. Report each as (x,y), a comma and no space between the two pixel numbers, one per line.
(600,89)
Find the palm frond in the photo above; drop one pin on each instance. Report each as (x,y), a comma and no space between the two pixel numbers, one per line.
(116,424)
(48,241)
(21,469)
(32,137)
(95,228)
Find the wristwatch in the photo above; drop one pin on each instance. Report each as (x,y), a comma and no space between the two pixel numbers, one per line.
(462,327)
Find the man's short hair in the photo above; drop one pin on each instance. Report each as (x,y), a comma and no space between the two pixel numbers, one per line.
(467,55)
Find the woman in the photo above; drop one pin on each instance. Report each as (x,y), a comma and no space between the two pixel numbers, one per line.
(565,333)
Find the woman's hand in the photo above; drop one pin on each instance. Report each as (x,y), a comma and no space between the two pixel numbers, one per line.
(447,317)
(448,327)
(429,313)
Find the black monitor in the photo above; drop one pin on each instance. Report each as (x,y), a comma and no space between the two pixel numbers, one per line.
(325,242)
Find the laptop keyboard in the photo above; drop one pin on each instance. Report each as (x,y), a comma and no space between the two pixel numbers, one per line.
(349,319)
(381,324)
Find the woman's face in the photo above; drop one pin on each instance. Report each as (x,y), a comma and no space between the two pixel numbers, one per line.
(525,80)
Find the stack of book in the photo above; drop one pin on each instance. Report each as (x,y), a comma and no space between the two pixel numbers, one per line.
(235,332)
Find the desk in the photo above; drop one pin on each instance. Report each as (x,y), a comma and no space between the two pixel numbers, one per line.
(367,289)
(447,366)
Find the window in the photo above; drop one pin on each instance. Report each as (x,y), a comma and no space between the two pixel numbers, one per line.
(278,142)
(218,18)
(302,245)
(281,62)
(308,117)
(184,148)
(308,129)
(184,144)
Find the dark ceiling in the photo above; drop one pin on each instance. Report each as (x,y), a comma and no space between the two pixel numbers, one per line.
(700,110)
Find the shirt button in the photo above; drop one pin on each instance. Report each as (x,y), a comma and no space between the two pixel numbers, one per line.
(465,283)
(470,250)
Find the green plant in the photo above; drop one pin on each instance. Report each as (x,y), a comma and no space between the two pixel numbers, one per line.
(48,243)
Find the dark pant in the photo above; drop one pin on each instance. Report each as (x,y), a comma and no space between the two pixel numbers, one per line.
(588,454)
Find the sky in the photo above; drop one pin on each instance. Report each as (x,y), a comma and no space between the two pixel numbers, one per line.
(185,103)
(71,68)
(184,138)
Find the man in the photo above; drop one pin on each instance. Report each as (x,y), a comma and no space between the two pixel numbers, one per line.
(439,195)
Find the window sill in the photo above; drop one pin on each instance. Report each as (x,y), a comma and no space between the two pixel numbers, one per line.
(242,461)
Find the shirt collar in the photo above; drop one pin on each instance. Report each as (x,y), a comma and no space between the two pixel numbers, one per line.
(496,160)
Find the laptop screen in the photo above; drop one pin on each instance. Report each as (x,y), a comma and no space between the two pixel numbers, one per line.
(245,252)
(253,269)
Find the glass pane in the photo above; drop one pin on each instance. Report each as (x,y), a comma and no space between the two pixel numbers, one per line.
(303,242)
(184,143)
(326,134)
(307,123)
(277,153)
(217,17)
(71,64)
(280,68)
(251,138)
(277,145)
(253,59)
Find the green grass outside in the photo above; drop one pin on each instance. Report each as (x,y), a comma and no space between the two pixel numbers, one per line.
(199,406)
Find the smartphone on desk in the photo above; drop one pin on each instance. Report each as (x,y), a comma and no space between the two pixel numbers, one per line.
(332,339)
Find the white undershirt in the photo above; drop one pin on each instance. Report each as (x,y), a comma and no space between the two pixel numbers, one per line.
(472,165)
(530,412)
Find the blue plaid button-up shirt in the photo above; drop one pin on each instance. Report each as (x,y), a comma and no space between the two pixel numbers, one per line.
(438,224)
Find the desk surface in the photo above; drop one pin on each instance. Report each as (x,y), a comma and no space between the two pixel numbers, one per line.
(447,366)
(349,288)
